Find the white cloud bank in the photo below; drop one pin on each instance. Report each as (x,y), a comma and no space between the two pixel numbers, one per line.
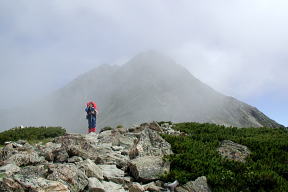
(238,47)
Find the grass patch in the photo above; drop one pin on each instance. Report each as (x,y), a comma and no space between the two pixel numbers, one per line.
(2,175)
(31,134)
(43,141)
(195,155)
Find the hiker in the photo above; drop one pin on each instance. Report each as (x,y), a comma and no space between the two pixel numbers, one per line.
(92,111)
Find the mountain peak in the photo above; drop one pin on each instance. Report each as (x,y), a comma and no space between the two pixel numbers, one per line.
(150,87)
(151,58)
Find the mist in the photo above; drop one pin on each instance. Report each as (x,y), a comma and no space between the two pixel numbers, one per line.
(239,48)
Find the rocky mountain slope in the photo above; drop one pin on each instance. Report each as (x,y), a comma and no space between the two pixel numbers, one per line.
(149,87)
(112,161)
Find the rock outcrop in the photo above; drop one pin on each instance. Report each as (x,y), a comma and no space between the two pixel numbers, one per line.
(233,151)
(199,185)
(148,168)
(113,160)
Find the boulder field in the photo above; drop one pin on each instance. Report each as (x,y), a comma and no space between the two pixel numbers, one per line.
(112,161)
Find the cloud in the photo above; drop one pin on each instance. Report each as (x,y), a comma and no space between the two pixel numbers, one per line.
(237,47)
(243,48)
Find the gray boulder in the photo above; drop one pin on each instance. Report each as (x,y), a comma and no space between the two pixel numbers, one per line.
(7,151)
(34,171)
(199,185)
(8,184)
(89,147)
(23,158)
(153,125)
(49,150)
(79,145)
(74,159)
(61,155)
(81,152)
(90,169)
(148,168)
(95,185)
(116,138)
(69,175)
(112,173)
(112,187)
(40,184)
(125,140)
(9,169)
(233,151)
(12,148)
(108,155)
(106,137)
(20,154)
(150,143)
(152,186)
(136,187)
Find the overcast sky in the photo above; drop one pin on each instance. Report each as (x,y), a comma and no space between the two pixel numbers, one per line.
(238,47)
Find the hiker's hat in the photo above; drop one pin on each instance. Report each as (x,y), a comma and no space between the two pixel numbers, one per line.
(93,103)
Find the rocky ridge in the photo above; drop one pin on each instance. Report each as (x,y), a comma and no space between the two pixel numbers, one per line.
(113,160)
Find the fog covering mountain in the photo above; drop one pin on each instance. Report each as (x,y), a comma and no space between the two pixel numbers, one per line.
(148,87)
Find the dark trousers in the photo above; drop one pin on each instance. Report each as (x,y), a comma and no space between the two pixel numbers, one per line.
(92,123)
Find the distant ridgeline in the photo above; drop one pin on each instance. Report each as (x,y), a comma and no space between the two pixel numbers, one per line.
(31,134)
(195,155)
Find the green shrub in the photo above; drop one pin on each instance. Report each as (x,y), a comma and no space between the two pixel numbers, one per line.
(30,133)
(266,169)
(119,126)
